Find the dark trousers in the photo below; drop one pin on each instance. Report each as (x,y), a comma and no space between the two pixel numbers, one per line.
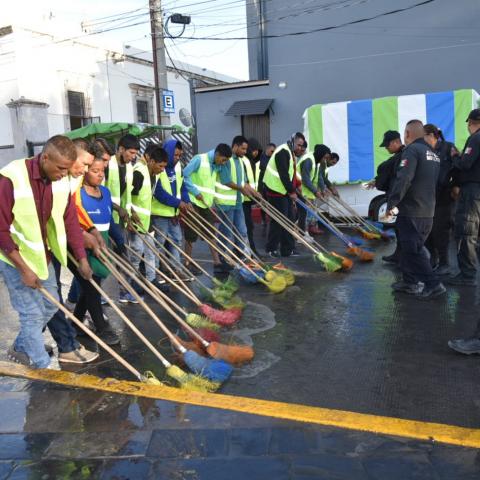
(467,221)
(277,235)
(414,262)
(439,238)
(302,217)
(89,300)
(247,212)
(59,325)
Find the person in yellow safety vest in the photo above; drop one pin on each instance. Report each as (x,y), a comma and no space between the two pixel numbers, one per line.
(280,189)
(170,199)
(145,177)
(37,220)
(329,162)
(312,183)
(252,172)
(118,179)
(230,188)
(61,328)
(199,177)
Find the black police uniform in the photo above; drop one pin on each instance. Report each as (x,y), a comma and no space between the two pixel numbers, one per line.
(413,193)
(467,217)
(439,238)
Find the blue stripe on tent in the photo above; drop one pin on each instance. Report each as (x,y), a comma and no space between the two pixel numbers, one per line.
(441,112)
(360,140)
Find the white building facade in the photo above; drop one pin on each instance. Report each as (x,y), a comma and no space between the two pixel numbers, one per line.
(51,85)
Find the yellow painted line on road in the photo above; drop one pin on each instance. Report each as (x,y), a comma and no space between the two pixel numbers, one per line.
(467,437)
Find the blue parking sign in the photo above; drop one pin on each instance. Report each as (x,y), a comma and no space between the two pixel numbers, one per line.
(168,101)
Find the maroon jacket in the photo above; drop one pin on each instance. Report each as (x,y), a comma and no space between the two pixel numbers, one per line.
(42,193)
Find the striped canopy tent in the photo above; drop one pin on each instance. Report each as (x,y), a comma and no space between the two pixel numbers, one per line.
(355,129)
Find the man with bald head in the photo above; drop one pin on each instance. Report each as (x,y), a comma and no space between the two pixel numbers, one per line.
(413,195)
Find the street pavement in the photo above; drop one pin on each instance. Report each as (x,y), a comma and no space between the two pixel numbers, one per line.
(334,340)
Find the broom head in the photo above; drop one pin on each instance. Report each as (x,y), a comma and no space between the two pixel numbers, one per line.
(191,382)
(234,354)
(221,317)
(214,370)
(363,255)
(198,321)
(191,346)
(234,302)
(347,264)
(248,276)
(150,379)
(331,263)
(277,285)
(207,334)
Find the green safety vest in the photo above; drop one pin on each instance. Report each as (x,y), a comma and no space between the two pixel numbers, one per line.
(313,175)
(224,195)
(142,203)
(113,184)
(160,208)
(204,180)
(272,178)
(251,178)
(25,228)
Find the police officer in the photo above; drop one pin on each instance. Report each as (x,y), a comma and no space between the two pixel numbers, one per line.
(467,217)
(392,142)
(413,195)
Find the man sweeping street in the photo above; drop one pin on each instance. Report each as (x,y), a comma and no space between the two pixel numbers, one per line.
(280,188)
(37,220)
(413,196)
(200,176)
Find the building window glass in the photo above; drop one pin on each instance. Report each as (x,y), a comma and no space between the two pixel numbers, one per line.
(142,111)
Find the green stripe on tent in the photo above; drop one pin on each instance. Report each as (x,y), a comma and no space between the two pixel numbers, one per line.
(463,105)
(385,117)
(315,126)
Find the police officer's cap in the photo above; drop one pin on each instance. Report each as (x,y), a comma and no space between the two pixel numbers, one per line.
(388,137)
(474,115)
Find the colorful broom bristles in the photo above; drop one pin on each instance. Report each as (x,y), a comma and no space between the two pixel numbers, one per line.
(330,262)
(347,264)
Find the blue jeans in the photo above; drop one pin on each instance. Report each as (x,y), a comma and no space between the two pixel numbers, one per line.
(59,325)
(235,217)
(170,228)
(141,249)
(74,292)
(34,311)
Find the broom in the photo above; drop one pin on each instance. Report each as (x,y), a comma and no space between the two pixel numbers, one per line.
(330,262)
(377,233)
(221,317)
(223,297)
(188,381)
(236,354)
(275,285)
(253,258)
(214,370)
(214,280)
(148,377)
(193,319)
(362,254)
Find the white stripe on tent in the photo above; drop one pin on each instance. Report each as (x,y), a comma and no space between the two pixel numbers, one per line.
(335,136)
(411,107)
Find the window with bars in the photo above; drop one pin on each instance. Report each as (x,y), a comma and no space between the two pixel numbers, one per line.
(142,111)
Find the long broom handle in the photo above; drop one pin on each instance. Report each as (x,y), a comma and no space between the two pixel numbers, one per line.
(176,285)
(235,248)
(341,213)
(169,300)
(325,222)
(155,293)
(92,335)
(282,220)
(188,257)
(317,211)
(212,244)
(228,223)
(106,257)
(355,214)
(125,318)
(183,268)
(179,284)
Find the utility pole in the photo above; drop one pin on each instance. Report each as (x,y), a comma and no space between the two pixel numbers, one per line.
(159,62)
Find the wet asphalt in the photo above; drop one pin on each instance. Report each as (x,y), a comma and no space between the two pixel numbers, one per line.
(334,340)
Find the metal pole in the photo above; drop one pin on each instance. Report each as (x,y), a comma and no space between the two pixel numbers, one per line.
(159,62)
(193,106)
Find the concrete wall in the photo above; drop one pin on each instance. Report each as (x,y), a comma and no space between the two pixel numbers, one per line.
(429,48)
